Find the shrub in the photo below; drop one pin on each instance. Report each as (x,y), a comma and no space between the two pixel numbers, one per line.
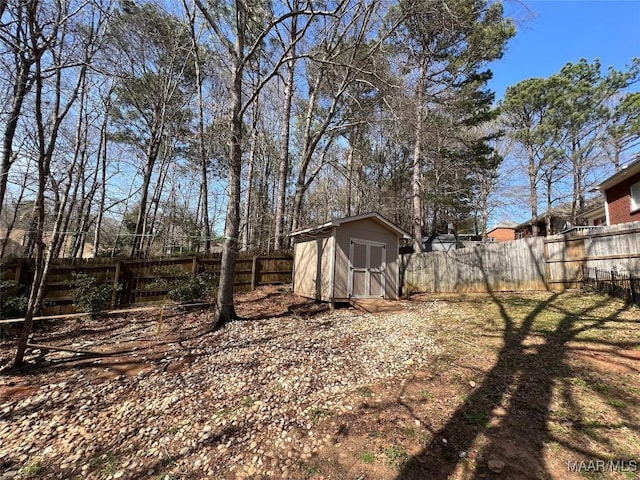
(193,287)
(186,287)
(88,295)
(12,305)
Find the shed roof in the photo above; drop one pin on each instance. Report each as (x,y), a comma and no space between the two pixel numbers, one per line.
(325,227)
(621,175)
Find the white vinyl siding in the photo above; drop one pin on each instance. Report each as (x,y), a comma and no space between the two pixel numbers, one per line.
(635,196)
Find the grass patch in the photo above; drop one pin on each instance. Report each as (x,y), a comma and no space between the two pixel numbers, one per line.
(480,419)
(602,388)
(310,470)
(410,432)
(316,413)
(248,402)
(33,470)
(365,392)
(396,455)
(614,402)
(368,458)
(426,395)
(106,464)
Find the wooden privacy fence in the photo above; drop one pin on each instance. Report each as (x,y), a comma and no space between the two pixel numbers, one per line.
(138,280)
(492,267)
(556,262)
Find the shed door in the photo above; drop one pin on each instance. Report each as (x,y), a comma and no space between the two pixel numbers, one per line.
(366,269)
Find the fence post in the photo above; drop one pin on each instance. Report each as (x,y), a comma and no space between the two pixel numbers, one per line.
(116,282)
(254,272)
(18,273)
(613,281)
(194,266)
(635,294)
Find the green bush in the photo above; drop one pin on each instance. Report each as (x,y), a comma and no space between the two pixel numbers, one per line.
(12,305)
(186,287)
(88,295)
(193,287)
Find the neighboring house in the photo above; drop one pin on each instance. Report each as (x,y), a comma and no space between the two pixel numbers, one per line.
(502,233)
(18,239)
(622,194)
(593,215)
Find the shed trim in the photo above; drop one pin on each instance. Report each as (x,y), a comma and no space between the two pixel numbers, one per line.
(315,230)
(332,274)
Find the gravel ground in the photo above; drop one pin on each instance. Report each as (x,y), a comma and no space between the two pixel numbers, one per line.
(254,400)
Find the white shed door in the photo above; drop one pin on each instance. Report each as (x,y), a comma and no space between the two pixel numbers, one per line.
(366,268)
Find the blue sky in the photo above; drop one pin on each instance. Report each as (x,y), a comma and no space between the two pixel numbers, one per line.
(552,33)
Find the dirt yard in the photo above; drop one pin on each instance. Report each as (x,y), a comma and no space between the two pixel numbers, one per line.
(513,386)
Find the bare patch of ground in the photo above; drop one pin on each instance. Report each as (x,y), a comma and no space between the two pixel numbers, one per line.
(469,387)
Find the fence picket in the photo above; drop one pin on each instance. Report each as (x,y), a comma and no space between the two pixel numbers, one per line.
(133,276)
(555,262)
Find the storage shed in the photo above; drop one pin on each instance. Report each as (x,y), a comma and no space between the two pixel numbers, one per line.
(353,257)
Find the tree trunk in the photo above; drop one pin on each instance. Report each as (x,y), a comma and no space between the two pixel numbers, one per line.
(248,223)
(349,178)
(416,175)
(533,191)
(152,155)
(283,168)
(21,88)
(14,216)
(307,152)
(101,166)
(226,309)
(202,151)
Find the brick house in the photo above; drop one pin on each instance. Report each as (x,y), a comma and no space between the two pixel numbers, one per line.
(502,233)
(622,194)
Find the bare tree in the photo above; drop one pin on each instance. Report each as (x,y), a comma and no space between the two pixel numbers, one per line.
(154,54)
(53,35)
(242,37)
(19,60)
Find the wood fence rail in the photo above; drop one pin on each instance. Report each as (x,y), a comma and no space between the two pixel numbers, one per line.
(552,263)
(138,280)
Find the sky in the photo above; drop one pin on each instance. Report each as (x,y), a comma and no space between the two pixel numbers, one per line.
(552,33)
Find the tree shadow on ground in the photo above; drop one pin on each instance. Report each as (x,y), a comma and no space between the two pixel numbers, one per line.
(511,408)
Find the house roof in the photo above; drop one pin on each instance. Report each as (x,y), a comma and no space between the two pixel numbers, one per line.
(621,175)
(595,212)
(501,227)
(564,210)
(317,229)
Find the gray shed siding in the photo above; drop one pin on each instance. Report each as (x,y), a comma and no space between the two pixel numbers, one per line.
(322,264)
(312,268)
(365,229)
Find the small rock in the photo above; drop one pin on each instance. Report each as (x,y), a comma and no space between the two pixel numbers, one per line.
(472,383)
(496,466)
